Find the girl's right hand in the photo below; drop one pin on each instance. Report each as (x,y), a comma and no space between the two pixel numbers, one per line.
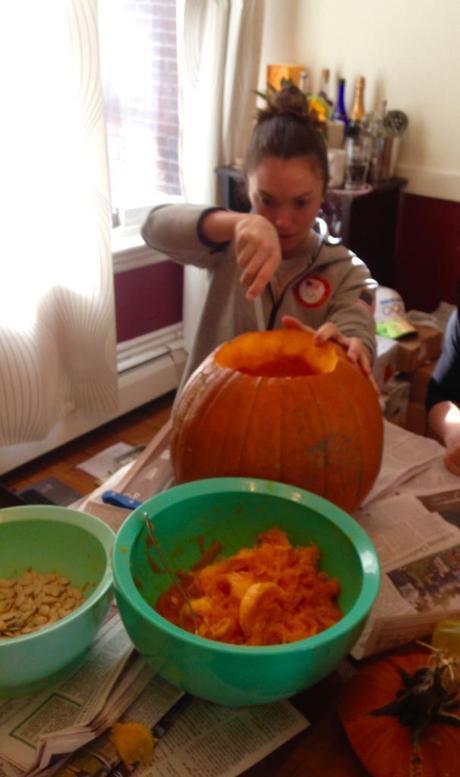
(258,252)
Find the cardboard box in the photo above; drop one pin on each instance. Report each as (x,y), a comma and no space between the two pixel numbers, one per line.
(395,400)
(416,418)
(419,382)
(385,361)
(275,73)
(415,351)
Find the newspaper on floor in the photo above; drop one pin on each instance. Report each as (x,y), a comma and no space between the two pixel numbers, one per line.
(72,713)
(148,475)
(110,460)
(418,542)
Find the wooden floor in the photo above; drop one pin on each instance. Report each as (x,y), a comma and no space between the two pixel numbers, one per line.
(135,428)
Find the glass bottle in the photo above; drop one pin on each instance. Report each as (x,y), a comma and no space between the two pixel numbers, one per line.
(324,85)
(357,111)
(305,82)
(340,113)
(357,157)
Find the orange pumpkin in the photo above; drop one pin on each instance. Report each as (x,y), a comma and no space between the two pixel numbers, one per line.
(401,716)
(274,405)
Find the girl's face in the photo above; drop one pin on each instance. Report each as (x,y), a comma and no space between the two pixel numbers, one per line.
(288,192)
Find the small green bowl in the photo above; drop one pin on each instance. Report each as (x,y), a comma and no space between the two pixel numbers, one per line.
(70,543)
(234,511)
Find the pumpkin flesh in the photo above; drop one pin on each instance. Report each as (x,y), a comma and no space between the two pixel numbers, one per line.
(273,405)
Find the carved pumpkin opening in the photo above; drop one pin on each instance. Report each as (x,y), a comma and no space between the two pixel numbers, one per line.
(264,354)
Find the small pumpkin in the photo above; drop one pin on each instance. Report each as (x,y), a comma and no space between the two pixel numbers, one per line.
(401,716)
(275,405)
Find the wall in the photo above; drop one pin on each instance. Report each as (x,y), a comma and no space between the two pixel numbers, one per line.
(148,298)
(410,56)
(409,53)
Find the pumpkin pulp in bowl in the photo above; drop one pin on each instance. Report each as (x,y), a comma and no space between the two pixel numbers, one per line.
(274,405)
(233,512)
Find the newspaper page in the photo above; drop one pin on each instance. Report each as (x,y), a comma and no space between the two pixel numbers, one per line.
(418,543)
(206,739)
(209,740)
(404,455)
(60,719)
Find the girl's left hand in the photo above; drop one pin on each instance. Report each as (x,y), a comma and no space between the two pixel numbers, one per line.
(452,458)
(354,346)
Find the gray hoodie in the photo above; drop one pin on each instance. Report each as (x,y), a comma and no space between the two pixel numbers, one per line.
(322,283)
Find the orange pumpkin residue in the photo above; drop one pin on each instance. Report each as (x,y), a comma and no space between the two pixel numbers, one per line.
(271,594)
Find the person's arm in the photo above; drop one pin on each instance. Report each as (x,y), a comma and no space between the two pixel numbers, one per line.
(444,420)
(174,230)
(351,308)
(190,234)
(443,395)
(257,246)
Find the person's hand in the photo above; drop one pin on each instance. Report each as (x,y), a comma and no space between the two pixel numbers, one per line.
(258,252)
(452,442)
(354,346)
(452,458)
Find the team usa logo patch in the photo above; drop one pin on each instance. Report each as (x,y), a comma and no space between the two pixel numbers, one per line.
(312,291)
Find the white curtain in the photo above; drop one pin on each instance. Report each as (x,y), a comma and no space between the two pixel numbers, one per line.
(218,46)
(57,323)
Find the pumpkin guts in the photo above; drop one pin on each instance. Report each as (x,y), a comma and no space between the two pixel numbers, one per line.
(271,594)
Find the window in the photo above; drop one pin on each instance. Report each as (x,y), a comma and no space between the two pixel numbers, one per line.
(139,73)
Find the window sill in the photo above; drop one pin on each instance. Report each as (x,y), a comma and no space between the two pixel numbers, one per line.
(130,252)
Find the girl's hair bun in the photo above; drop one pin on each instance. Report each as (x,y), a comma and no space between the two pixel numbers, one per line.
(287,100)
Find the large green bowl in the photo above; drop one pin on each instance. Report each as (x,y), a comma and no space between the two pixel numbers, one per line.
(234,511)
(70,543)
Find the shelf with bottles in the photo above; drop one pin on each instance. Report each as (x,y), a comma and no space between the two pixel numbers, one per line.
(369,150)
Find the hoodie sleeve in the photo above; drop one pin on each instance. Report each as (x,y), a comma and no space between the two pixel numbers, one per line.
(352,306)
(175,230)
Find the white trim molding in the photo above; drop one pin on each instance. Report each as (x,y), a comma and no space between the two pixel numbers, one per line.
(130,252)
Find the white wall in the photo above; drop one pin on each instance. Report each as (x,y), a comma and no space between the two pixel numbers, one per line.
(409,52)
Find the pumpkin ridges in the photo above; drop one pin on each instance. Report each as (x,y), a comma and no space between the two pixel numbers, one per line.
(222,447)
(264,459)
(187,449)
(343,458)
(187,411)
(204,381)
(375,745)
(370,426)
(441,746)
(299,465)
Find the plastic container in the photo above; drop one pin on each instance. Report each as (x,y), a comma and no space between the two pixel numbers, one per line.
(234,511)
(70,543)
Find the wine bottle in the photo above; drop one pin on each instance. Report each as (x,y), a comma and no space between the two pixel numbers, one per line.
(340,112)
(357,112)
